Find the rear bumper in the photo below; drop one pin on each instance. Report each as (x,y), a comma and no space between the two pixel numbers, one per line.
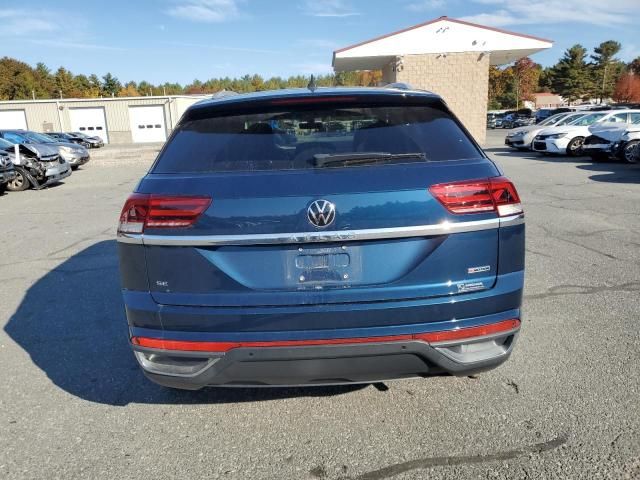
(325,364)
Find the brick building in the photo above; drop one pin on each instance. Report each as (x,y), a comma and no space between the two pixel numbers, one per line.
(446,56)
(548,100)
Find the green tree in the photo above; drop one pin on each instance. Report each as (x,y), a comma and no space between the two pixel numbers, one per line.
(571,76)
(634,66)
(110,85)
(606,68)
(46,85)
(65,86)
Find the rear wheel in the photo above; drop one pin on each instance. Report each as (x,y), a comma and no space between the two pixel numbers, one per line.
(19,183)
(575,146)
(626,153)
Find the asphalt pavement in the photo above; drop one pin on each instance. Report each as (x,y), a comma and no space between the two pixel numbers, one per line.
(73,403)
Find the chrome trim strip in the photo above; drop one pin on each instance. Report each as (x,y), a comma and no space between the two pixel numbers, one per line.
(134,238)
(512,220)
(444,228)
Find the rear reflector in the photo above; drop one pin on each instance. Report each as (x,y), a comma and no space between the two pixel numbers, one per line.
(495,194)
(142,211)
(431,337)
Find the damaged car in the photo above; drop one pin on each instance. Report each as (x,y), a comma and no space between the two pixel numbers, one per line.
(7,171)
(35,166)
(75,155)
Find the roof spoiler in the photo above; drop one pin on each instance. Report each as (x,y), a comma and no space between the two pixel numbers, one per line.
(399,86)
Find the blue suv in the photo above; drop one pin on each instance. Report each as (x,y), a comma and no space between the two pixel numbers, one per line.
(312,237)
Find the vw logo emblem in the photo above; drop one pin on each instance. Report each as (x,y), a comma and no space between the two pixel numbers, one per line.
(321,213)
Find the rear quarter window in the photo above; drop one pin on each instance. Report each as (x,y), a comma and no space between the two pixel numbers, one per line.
(290,138)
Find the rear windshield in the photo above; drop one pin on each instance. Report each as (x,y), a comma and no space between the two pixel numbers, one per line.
(329,137)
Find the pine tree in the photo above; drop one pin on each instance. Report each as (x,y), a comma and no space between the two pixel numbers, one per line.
(571,76)
(110,85)
(606,68)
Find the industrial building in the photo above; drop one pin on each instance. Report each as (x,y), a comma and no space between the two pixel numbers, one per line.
(115,120)
(447,56)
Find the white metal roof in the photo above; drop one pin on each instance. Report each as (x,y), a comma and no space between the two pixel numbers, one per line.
(442,35)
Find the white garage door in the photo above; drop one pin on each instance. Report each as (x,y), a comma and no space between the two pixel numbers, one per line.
(90,121)
(147,124)
(13,119)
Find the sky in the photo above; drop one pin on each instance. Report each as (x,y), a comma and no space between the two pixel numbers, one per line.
(181,40)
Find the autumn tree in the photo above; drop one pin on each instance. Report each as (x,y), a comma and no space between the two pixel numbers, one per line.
(17,80)
(129,90)
(526,75)
(627,88)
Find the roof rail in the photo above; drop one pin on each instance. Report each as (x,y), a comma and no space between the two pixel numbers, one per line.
(399,86)
(224,93)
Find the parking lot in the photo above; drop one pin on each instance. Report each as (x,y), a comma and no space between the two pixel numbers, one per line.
(74,404)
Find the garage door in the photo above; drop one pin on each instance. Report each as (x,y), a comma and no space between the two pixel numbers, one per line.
(90,121)
(13,119)
(147,124)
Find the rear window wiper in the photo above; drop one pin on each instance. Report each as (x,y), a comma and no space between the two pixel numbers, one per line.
(323,159)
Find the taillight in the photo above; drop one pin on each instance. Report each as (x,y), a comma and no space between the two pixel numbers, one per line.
(142,211)
(495,194)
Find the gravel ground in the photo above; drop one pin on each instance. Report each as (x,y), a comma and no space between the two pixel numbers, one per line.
(73,403)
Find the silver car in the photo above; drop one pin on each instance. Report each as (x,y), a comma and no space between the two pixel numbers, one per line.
(74,154)
(522,137)
(35,165)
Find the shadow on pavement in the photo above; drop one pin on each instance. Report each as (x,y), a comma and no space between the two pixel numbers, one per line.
(613,172)
(72,324)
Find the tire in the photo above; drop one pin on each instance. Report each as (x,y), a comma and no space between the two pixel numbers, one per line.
(574,148)
(75,167)
(626,153)
(20,183)
(3,187)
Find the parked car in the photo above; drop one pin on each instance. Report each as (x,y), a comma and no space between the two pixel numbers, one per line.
(73,154)
(393,251)
(36,165)
(7,171)
(568,139)
(69,138)
(545,113)
(494,120)
(508,119)
(614,140)
(93,141)
(521,138)
(518,118)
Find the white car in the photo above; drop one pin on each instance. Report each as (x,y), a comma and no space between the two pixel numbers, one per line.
(568,139)
(617,140)
(522,137)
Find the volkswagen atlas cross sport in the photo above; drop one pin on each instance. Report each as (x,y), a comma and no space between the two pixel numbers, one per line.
(329,236)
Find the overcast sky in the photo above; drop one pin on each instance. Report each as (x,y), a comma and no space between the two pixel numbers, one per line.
(179,40)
